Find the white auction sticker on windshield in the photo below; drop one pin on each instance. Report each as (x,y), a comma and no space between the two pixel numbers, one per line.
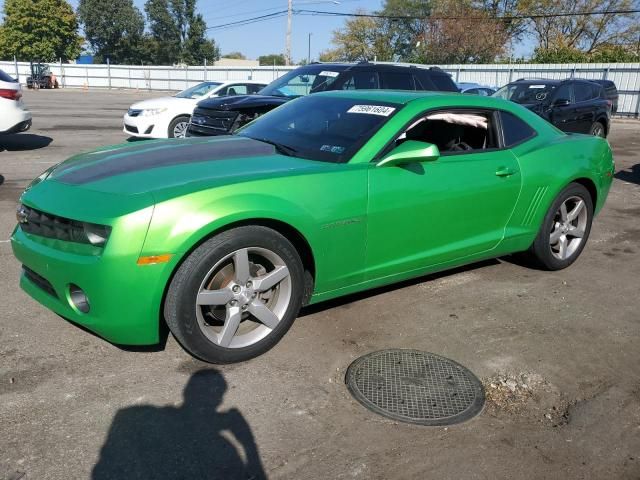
(537,86)
(329,73)
(372,110)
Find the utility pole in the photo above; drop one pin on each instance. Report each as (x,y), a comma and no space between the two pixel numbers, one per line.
(309,50)
(287,54)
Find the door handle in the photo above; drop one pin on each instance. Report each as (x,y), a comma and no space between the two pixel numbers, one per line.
(505,171)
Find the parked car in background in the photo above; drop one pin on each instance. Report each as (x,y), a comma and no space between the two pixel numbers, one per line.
(222,116)
(572,105)
(476,89)
(168,117)
(14,116)
(227,237)
(611,92)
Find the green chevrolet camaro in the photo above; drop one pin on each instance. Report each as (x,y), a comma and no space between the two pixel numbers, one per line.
(225,238)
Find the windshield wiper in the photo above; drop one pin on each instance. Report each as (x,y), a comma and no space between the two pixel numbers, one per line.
(280,148)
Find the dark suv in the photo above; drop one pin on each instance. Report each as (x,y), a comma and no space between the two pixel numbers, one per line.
(222,116)
(575,106)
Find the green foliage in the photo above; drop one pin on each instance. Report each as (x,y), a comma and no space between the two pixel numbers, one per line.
(234,55)
(272,59)
(604,54)
(45,30)
(114,29)
(362,38)
(178,33)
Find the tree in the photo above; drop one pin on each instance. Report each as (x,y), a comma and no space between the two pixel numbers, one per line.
(178,33)
(272,59)
(582,32)
(361,38)
(44,30)
(114,29)
(234,55)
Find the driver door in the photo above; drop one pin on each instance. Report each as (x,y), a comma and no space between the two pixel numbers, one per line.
(428,213)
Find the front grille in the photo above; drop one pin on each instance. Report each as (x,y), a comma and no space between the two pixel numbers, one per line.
(43,224)
(39,281)
(133,112)
(214,119)
(131,128)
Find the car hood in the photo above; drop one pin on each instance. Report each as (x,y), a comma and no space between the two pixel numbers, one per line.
(168,168)
(242,102)
(164,102)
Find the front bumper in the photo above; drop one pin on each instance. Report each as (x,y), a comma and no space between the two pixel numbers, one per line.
(124,298)
(143,127)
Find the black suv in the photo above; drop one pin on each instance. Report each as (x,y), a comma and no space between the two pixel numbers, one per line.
(573,105)
(222,116)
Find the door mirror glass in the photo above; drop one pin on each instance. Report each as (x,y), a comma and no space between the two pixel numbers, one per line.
(410,151)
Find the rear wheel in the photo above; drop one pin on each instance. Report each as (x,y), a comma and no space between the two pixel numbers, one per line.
(236,295)
(178,127)
(598,130)
(565,229)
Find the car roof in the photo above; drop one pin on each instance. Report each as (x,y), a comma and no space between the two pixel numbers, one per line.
(229,82)
(379,66)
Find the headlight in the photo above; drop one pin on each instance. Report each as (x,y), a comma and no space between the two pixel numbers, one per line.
(149,112)
(96,234)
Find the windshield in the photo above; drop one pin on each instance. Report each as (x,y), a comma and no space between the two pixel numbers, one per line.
(321,128)
(198,91)
(303,81)
(526,93)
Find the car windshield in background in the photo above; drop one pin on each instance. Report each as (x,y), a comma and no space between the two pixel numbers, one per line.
(198,91)
(303,81)
(321,128)
(526,93)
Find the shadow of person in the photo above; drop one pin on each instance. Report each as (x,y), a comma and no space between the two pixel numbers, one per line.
(631,175)
(194,440)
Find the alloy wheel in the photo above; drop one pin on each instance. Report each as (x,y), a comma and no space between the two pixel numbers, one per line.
(598,130)
(180,130)
(568,228)
(243,298)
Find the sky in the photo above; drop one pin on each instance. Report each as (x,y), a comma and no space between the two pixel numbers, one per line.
(268,36)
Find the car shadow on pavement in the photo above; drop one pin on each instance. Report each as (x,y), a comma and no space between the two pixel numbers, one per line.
(192,441)
(19,142)
(631,175)
(354,297)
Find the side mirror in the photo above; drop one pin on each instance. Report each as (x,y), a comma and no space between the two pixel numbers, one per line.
(560,102)
(408,152)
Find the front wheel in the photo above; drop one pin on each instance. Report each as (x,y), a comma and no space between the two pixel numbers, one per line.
(236,295)
(178,127)
(597,130)
(565,229)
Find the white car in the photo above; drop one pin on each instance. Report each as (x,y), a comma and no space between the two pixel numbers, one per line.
(168,117)
(14,116)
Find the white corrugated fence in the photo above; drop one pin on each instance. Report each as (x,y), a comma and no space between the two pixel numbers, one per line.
(625,75)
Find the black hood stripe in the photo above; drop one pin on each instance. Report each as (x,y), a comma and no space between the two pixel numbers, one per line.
(109,164)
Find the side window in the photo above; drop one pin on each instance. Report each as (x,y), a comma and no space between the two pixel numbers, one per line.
(582,92)
(514,129)
(362,81)
(254,88)
(443,82)
(397,81)
(563,93)
(472,91)
(237,89)
(454,131)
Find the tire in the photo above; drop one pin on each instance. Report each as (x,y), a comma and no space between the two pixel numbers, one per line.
(182,121)
(598,130)
(210,331)
(553,254)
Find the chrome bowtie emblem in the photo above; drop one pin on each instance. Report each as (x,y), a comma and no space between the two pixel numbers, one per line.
(22,215)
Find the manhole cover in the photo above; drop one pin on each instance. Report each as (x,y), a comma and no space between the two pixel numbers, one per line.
(415,387)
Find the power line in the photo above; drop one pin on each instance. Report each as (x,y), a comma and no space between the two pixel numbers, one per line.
(492,17)
(281,13)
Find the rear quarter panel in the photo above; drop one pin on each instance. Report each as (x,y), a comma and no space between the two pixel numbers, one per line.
(547,167)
